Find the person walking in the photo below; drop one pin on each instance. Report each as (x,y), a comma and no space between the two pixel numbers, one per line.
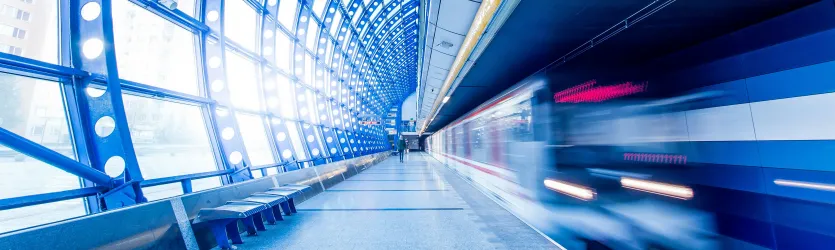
(401,147)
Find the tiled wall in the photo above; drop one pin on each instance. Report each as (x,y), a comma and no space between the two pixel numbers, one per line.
(774,123)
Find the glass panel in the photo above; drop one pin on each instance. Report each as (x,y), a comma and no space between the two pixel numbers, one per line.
(293,130)
(255,137)
(170,139)
(205,183)
(319,6)
(286,97)
(287,13)
(374,14)
(322,109)
(322,79)
(162,191)
(30,32)
(318,134)
(240,23)
(308,70)
(329,53)
(153,51)
(19,218)
(356,16)
(284,48)
(311,107)
(243,83)
(336,24)
(256,174)
(337,116)
(272,171)
(35,110)
(312,34)
(187,6)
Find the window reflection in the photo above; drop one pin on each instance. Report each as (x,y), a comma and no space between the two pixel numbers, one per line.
(319,7)
(309,70)
(170,139)
(187,6)
(318,134)
(153,51)
(284,51)
(287,13)
(356,16)
(312,34)
(255,138)
(30,29)
(309,106)
(240,23)
(293,130)
(336,24)
(19,218)
(286,97)
(34,109)
(243,84)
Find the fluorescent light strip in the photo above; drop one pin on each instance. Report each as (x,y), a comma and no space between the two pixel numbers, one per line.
(482,18)
(660,188)
(573,190)
(803,184)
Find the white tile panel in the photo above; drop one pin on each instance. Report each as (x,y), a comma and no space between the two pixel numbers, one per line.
(433,10)
(435,73)
(664,127)
(799,118)
(440,60)
(724,123)
(430,33)
(447,42)
(457,15)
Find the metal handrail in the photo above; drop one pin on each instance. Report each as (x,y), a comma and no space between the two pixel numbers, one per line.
(186,177)
(44,198)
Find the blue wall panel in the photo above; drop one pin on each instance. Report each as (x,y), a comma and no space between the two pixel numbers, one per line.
(776,70)
(809,80)
(809,155)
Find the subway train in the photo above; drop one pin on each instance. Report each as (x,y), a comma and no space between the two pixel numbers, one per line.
(593,167)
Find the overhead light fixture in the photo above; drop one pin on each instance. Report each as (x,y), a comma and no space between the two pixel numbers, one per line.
(446,99)
(803,184)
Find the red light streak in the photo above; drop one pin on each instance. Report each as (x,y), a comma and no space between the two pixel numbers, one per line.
(655,158)
(587,92)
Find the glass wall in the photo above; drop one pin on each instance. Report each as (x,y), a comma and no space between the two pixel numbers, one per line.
(285,89)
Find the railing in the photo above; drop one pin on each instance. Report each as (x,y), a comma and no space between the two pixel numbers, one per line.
(36,199)
(90,174)
(184,180)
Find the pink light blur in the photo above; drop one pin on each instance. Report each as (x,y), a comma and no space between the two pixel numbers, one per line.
(655,158)
(587,92)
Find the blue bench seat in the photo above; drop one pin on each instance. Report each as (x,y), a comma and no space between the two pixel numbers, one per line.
(223,220)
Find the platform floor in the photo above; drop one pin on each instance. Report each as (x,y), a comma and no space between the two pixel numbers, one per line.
(414,205)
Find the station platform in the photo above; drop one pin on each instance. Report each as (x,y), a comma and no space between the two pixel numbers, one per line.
(418,204)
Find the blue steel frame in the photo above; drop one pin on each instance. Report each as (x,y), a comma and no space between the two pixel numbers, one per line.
(362,65)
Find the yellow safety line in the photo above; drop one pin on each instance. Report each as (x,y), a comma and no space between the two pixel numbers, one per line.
(482,18)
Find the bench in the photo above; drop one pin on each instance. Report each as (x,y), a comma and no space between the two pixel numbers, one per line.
(252,211)
(223,221)
(289,193)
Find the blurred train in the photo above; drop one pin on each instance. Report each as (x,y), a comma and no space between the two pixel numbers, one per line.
(587,168)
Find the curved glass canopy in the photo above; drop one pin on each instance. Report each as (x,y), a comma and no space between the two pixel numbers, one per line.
(167,102)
